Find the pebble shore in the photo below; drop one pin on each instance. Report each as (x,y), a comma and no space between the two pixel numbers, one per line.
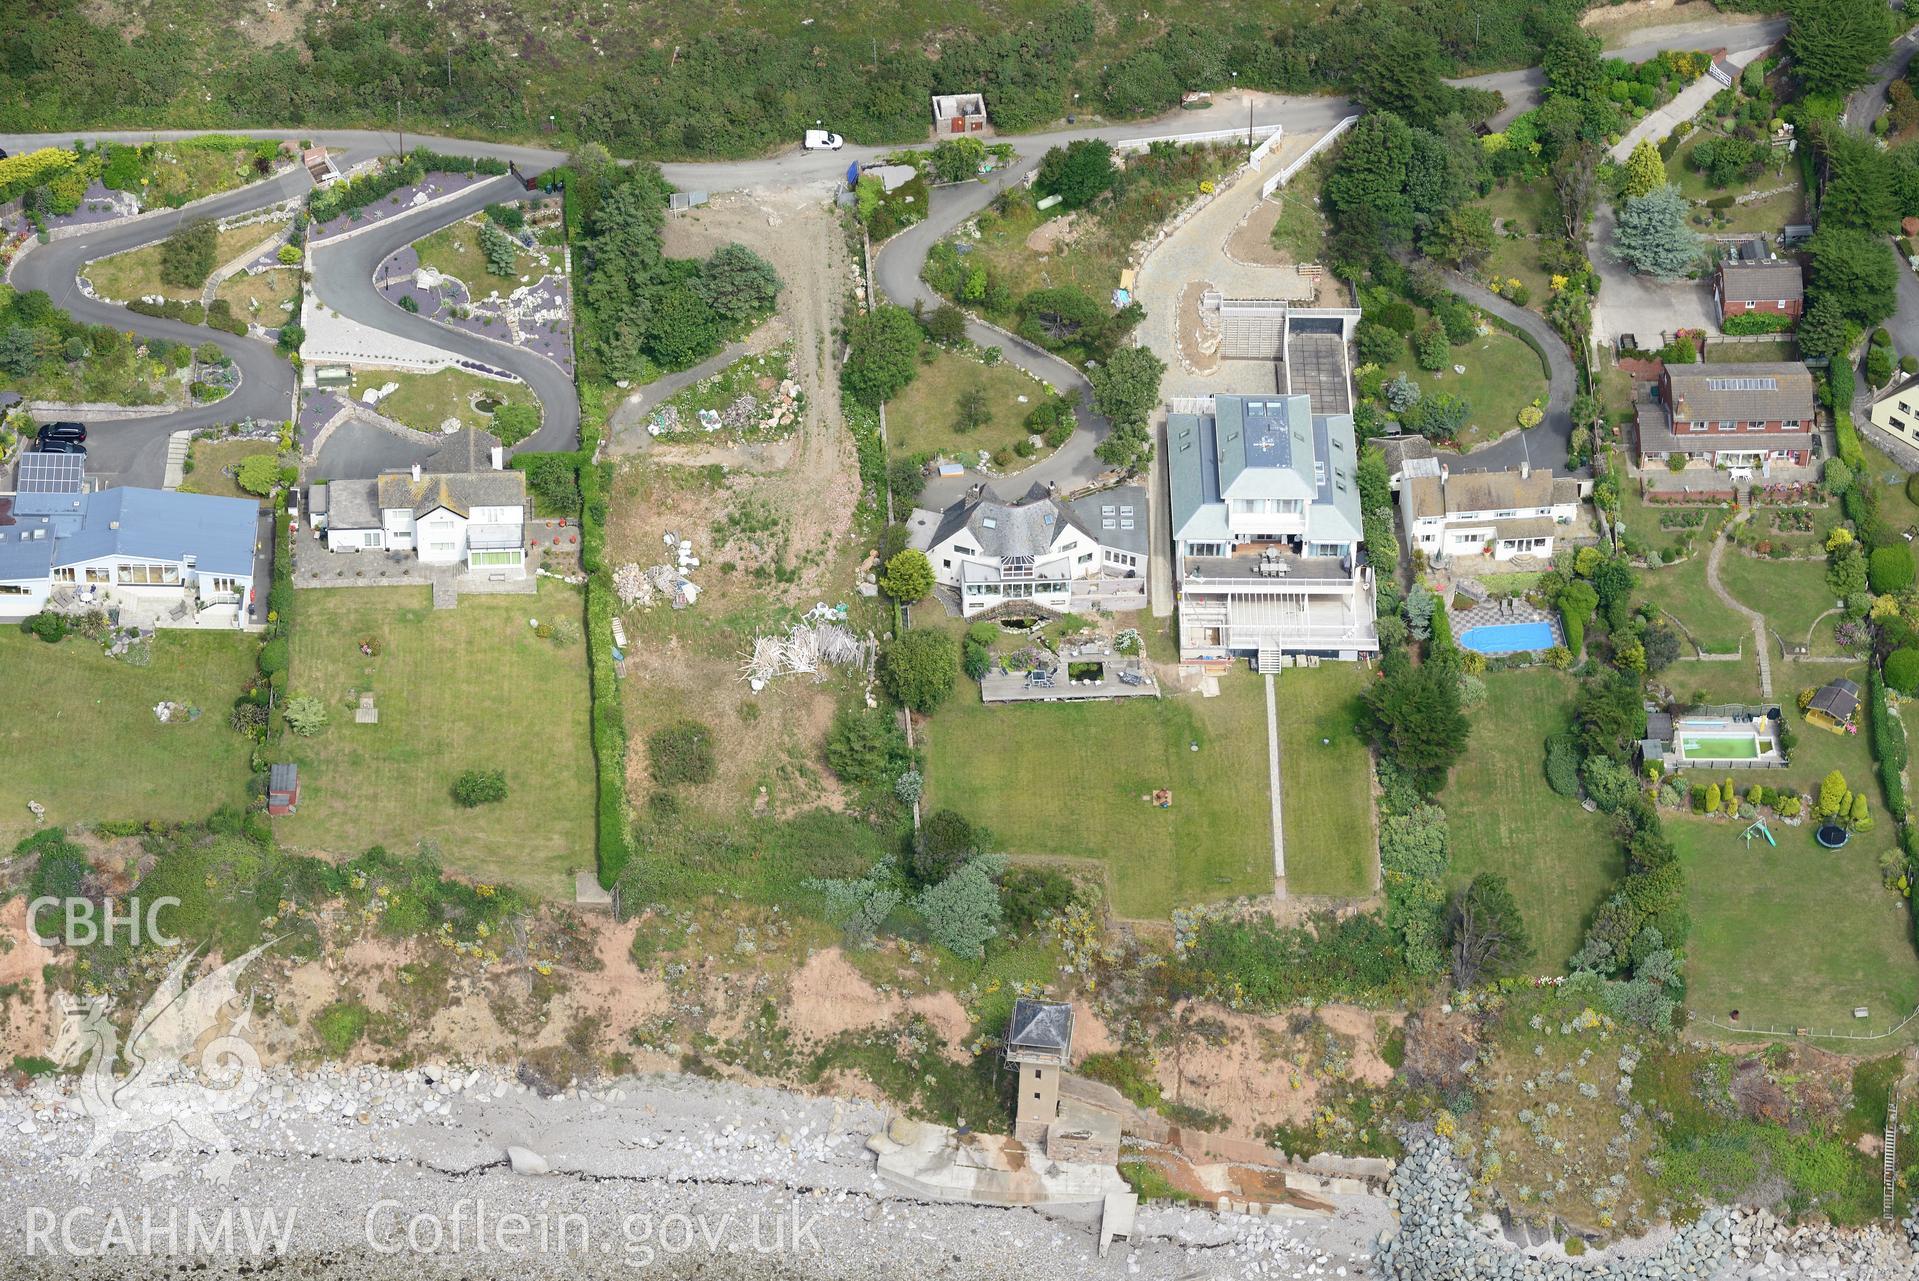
(459,1173)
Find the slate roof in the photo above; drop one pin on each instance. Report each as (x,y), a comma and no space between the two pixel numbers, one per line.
(1656,435)
(466,450)
(1763,390)
(158,524)
(1116,517)
(1762,281)
(1041,1025)
(1000,528)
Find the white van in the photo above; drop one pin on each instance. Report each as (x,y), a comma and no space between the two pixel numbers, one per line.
(821,140)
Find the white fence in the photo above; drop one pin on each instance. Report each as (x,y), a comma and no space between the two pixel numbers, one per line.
(1265,148)
(1285,175)
(1210,135)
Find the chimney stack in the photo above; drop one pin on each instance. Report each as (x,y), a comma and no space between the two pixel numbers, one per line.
(416,473)
(499,458)
(1525,469)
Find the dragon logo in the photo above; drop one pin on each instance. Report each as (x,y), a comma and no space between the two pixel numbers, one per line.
(157,1093)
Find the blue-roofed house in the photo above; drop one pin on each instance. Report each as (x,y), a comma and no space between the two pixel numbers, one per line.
(165,558)
(1268,551)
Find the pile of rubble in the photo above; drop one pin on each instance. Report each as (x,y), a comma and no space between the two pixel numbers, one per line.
(748,414)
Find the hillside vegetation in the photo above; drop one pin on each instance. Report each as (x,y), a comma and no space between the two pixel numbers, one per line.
(683,80)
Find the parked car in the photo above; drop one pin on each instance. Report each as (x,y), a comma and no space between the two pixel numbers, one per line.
(75,432)
(821,140)
(62,447)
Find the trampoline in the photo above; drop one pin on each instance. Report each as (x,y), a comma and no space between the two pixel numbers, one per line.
(1831,835)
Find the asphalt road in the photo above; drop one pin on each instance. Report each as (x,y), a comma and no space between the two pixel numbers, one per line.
(132,451)
(343,280)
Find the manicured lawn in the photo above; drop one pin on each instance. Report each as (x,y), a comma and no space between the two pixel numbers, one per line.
(459,689)
(1681,591)
(1325,773)
(1502,376)
(1503,818)
(1745,353)
(1793,936)
(1074,780)
(136,273)
(211,458)
(425,402)
(80,737)
(455,251)
(264,298)
(1790,593)
(920,420)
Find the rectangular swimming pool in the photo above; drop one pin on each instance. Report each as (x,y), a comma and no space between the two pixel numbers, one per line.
(1695,747)
(1509,638)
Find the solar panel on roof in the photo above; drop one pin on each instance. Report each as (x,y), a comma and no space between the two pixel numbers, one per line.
(1742,384)
(51,474)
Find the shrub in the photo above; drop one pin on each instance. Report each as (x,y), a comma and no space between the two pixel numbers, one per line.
(945,842)
(186,256)
(1889,569)
(1030,896)
(1562,764)
(681,753)
(304,714)
(476,787)
(1902,670)
(49,627)
(273,657)
(919,668)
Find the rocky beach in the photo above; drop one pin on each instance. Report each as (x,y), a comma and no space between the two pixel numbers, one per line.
(464,1173)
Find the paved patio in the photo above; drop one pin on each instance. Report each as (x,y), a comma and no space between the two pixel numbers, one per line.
(1506,613)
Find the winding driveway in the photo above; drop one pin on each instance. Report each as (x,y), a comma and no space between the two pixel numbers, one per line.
(133,451)
(1551,439)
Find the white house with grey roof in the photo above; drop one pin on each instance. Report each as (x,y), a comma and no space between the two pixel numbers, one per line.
(1266,531)
(159,558)
(1040,551)
(1502,514)
(474,519)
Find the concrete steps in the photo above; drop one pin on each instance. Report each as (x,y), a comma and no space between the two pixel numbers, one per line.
(177,446)
(446,593)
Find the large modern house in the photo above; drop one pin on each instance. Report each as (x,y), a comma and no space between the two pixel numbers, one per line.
(158,558)
(472,515)
(1266,531)
(1040,551)
(1501,514)
(1745,417)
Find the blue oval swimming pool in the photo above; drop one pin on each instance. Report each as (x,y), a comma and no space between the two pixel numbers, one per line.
(1509,638)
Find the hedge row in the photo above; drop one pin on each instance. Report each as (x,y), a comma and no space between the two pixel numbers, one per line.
(608,714)
(1888,737)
